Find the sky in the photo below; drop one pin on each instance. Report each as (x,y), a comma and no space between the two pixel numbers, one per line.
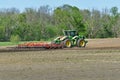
(81,4)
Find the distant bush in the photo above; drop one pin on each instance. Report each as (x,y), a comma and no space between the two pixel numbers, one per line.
(15,38)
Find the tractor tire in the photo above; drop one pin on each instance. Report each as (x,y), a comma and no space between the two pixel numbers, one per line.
(81,43)
(67,43)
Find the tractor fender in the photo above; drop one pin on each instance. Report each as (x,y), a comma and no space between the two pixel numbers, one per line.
(63,38)
(57,38)
(75,37)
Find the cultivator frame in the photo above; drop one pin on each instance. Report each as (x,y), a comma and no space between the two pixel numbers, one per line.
(44,45)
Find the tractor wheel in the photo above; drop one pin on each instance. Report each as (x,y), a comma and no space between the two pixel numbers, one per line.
(81,43)
(67,43)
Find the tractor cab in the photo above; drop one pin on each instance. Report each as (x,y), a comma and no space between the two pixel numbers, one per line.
(70,33)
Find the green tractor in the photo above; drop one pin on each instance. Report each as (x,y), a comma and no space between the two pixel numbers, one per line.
(71,39)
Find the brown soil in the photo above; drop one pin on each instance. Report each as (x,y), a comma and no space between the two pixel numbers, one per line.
(100,60)
(99,43)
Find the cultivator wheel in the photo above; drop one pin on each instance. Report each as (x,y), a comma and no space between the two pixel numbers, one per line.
(81,43)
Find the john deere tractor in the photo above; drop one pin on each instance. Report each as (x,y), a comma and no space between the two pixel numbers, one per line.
(71,39)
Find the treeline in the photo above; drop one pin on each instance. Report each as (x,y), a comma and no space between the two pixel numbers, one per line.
(44,23)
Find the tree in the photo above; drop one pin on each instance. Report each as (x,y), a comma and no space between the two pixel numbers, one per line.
(114,18)
(106,27)
(69,17)
(43,23)
(93,22)
(8,21)
(2,33)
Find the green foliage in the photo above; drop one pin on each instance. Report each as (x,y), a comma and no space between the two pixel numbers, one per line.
(114,11)
(70,17)
(15,38)
(2,33)
(45,24)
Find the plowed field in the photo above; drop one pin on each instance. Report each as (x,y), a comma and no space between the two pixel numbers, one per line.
(100,60)
(104,43)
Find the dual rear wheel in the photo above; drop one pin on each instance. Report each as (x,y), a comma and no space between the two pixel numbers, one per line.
(79,43)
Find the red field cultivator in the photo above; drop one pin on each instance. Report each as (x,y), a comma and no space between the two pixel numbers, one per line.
(46,45)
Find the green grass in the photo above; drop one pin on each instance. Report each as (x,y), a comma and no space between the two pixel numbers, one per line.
(12,43)
(7,43)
